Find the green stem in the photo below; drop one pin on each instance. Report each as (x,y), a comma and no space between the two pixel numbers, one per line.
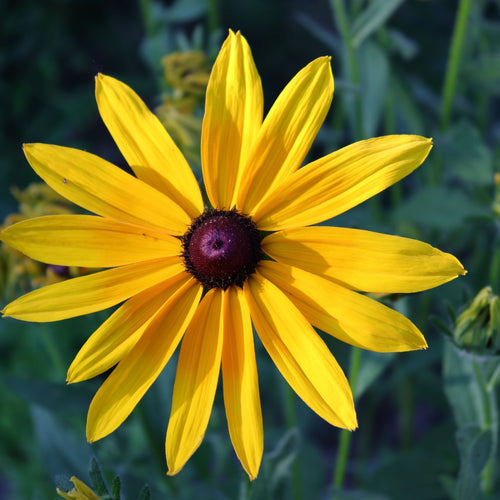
(213,16)
(147,18)
(343,454)
(495,265)
(489,404)
(151,28)
(344,28)
(345,435)
(291,422)
(457,44)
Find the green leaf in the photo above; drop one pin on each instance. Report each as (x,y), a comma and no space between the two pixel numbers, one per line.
(406,47)
(412,474)
(440,208)
(467,156)
(484,72)
(374,78)
(338,494)
(96,477)
(461,388)
(116,485)
(449,484)
(475,408)
(374,16)
(474,447)
(62,452)
(317,30)
(276,467)
(55,397)
(494,379)
(407,110)
(183,11)
(372,366)
(145,493)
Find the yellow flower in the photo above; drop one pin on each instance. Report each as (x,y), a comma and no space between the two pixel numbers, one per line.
(187,72)
(207,276)
(80,492)
(187,75)
(20,273)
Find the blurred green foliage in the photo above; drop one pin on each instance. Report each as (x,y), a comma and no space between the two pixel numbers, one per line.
(391,59)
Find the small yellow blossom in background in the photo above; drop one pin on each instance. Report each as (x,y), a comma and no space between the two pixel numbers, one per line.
(80,492)
(18,271)
(38,199)
(186,74)
(206,275)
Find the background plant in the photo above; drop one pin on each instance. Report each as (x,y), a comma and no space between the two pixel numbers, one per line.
(423,67)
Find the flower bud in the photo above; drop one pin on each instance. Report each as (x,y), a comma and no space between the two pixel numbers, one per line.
(477,329)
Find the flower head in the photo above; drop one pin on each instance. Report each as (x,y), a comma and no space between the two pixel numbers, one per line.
(206,275)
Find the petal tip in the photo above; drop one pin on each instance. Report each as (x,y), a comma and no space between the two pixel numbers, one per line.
(173,472)
(458,271)
(252,476)
(6,311)
(420,344)
(70,378)
(91,434)
(353,423)
(99,80)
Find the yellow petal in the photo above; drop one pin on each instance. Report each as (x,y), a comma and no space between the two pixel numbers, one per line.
(363,260)
(146,145)
(299,353)
(241,385)
(91,293)
(63,495)
(135,373)
(335,183)
(287,132)
(82,489)
(88,241)
(195,381)
(121,331)
(347,315)
(233,115)
(103,188)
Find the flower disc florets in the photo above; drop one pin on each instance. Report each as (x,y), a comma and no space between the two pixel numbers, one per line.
(221,248)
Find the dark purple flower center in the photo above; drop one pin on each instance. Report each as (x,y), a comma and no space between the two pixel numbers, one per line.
(221,248)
